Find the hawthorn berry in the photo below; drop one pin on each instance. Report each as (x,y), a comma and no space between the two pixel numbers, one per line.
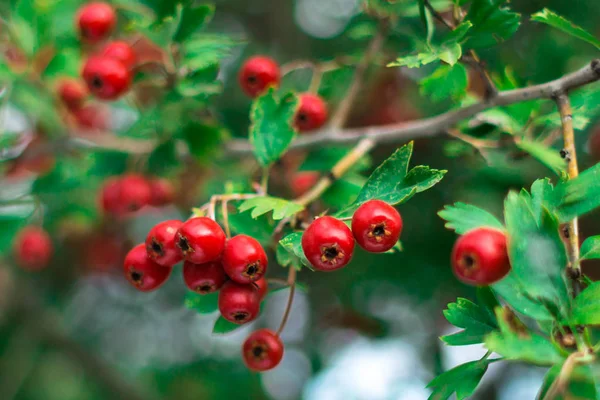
(163,192)
(312,112)
(161,243)
(200,240)
(92,117)
(102,253)
(262,350)
(32,248)
(303,181)
(244,259)
(239,303)
(110,196)
(257,74)
(72,93)
(480,256)
(121,51)
(204,278)
(96,21)
(134,192)
(106,78)
(376,226)
(263,287)
(143,273)
(328,244)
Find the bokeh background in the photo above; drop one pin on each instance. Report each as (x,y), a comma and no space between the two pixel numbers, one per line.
(369,331)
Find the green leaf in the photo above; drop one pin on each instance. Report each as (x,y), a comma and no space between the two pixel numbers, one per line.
(260,228)
(13,216)
(590,249)
(272,128)
(289,251)
(343,191)
(164,158)
(323,159)
(393,183)
(449,53)
(581,383)
(206,50)
(66,62)
(492,23)
(202,303)
(586,306)
(222,326)
(261,205)
(550,18)
(462,218)
(577,196)
(547,156)
(193,19)
(445,82)
(541,196)
(488,302)
(203,139)
(514,294)
(200,83)
(468,315)
(462,380)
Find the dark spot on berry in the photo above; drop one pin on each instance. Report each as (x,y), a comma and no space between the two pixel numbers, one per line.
(379,230)
(252,269)
(258,351)
(97,82)
(136,276)
(156,247)
(469,261)
(331,253)
(206,288)
(252,80)
(183,244)
(302,117)
(240,316)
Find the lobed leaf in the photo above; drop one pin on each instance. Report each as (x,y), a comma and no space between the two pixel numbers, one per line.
(492,23)
(586,306)
(473,318)
(577,196)
(561,23)
(462,380)
(261,205)
(290,253)
(462,218)
(202,303)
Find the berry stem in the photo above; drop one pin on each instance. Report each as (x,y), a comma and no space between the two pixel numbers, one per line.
(225,216)
(291,281)
(278,281)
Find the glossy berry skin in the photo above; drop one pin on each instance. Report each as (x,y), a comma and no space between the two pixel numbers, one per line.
(33,248)
(96,21)
(480,257)
(262,350)
(110,196)
(204,278)
(263,287)
(163,192)
(201,240)
(143,273)
(121,51)
(161,243)
(244,259)
(135,192)
(106,78)
(303,181)
(257,74)
(239,303)
(328,244)
(312,112)
(376,226)
(72,93)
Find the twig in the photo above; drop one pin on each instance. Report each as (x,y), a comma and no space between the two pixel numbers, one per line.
(225,216)
(490,87)
(437,15)
(559,385)
(434,126)
(291,281)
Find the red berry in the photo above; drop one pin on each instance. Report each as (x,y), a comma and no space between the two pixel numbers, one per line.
(163,192)
(106,78)
(102,253)
(143,273)
(135,192)
(92,117)
(262,350)
(328,244)
(376,226)
(33,248)
(96,21)
(121,51)
(204,278)
(257,74)
(110,196)
(480,257)
(239,303)
(244,259)
(161,243)
(312,113)
(263,287)
(201,240)
(302,182)
(72,92)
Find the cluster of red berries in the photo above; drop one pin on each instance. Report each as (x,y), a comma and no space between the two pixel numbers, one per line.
(328,243)
(130,192)
(107,74)
(259,73)
(480,257)
(32,248)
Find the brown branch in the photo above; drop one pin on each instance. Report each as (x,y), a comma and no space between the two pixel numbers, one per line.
(291,281)
(490,87)
(437,15)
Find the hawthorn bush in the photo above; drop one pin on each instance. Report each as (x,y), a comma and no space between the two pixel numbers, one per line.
(174,147)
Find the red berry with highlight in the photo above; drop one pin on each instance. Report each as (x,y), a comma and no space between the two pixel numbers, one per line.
(302,182)
(135,192)
(312,112)
(33,248)
(262,350)
(120,51)
(480,257)
(328,244)
(239,303)
(163,192)
(201,240)
(72,93)
(106,78)
(376,226)
(263,287)
(110,196)
(161,243)
(257,74)
(96,21)
(244,259)
(143,273)
(204,278)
